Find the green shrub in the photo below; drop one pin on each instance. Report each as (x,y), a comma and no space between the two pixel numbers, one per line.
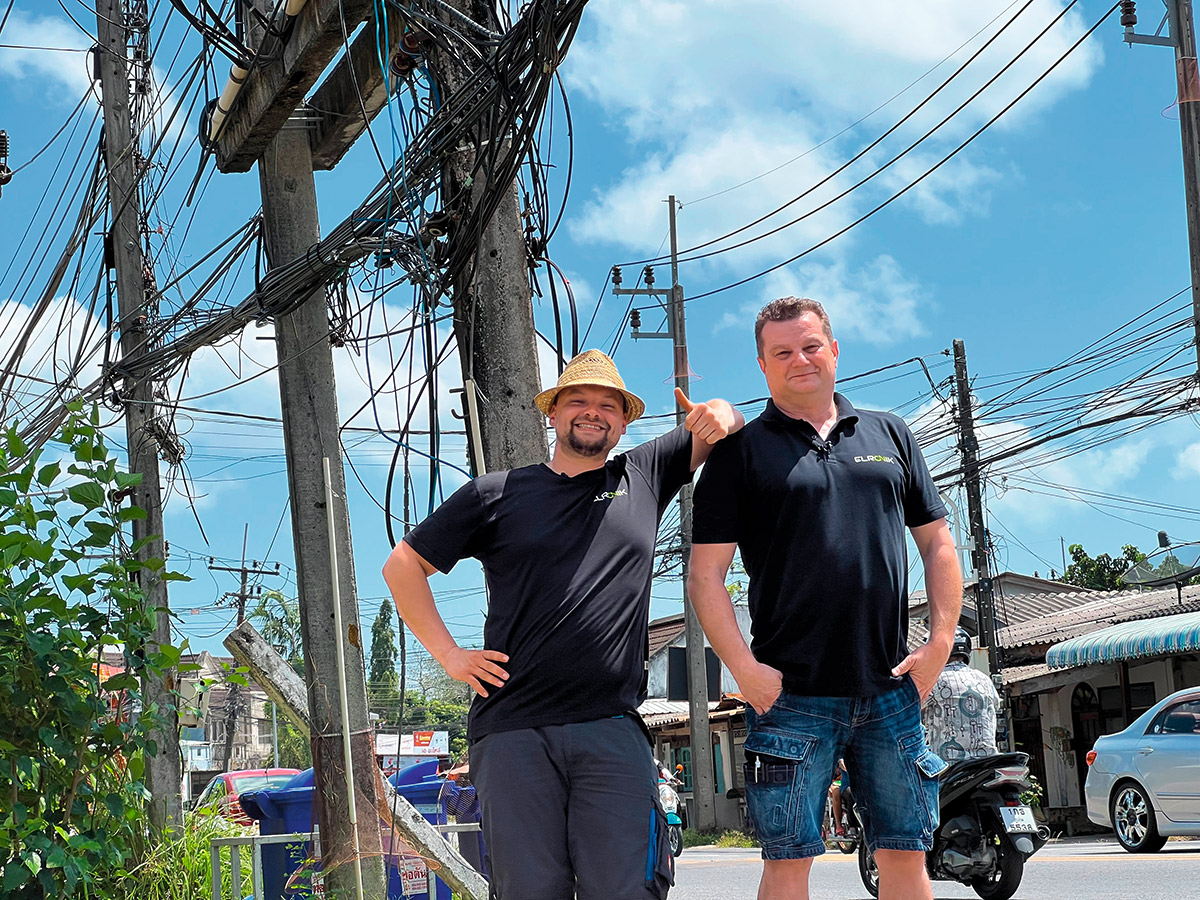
(73,749)
(180,868)
(727,838)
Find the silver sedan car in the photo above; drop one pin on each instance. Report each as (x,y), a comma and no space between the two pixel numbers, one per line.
(1144,782)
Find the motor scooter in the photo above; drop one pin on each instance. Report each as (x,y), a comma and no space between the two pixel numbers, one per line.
(669,798)
(985,833)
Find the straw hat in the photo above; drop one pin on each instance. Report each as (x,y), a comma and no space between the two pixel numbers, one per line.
(594,369)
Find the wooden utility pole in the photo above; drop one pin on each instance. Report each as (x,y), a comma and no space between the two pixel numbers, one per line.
(493,304)
(968,448)
(1182,38)
(1183,32)
(704,812)
(134,284)
(308,400)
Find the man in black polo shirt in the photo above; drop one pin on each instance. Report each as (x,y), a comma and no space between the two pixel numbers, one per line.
(561,761)
(816,494)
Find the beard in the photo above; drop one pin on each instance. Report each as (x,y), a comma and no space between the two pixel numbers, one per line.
(585,447)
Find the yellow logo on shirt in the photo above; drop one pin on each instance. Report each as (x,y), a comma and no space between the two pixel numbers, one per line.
(610,495)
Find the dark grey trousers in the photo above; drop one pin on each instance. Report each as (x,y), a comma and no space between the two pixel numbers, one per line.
(571,811)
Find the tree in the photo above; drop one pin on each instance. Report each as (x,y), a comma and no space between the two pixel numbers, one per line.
(277,619)
(295,751)
(383,650)
(383,684)
(1103,573)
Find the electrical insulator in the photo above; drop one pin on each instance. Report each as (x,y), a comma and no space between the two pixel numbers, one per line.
(410,43)
(649,275)
(616,276)
(1128,13)
(401,65)
(635,319)
(5,172)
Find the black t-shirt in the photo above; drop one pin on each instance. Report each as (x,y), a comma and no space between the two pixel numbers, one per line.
(820,525)
(568,564)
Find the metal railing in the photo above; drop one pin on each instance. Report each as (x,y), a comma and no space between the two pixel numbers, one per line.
(255,842)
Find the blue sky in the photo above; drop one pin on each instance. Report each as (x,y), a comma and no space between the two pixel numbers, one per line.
(1059,223)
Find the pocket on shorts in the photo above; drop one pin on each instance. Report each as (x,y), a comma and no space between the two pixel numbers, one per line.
(775,769)
(927,767)
(660,864)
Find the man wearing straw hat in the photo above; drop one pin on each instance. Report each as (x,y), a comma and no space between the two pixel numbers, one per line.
(559,756)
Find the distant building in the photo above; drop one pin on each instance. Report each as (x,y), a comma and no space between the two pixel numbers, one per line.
(203,745)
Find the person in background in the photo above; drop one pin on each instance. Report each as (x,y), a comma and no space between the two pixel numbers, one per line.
(960,712)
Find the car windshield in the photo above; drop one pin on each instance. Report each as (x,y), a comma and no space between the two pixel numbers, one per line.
(259,782)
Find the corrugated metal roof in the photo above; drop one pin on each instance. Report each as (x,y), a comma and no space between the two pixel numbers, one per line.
(663,631)
(657,712)
(1093,611)
(1135,639)
(1013,674)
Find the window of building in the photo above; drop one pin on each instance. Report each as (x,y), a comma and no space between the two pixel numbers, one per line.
(683,755)
(1112,717)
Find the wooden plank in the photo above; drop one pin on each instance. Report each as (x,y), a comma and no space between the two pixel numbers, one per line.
(275,88)
(287,689)
(340,118)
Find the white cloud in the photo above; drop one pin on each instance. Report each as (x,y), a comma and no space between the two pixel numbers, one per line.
(61,77)
(833,62)
(1187,464)
(876,302)
(712,98)
(57,77)
(63,347)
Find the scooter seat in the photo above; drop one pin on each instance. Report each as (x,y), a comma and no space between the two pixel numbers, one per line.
(967,766)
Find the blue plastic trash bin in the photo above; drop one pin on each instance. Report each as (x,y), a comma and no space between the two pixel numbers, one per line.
(289,809)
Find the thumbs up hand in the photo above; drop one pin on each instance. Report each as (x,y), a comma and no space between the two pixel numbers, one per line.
(710,421)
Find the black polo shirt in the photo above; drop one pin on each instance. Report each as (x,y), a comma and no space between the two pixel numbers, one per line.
(820,525)
(568,564)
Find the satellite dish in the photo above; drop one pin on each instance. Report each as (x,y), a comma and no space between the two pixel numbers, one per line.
(1170,565)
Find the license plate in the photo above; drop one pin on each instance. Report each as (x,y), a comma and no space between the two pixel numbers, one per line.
(1018,819)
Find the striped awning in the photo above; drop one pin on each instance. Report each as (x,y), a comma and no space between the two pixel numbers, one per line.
(1129,640)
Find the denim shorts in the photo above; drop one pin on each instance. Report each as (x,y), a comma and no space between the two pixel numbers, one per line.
(791,751)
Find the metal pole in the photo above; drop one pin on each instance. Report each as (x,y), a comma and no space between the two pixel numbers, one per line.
(341,672)
(703,787)
(274,735)
(1183,34)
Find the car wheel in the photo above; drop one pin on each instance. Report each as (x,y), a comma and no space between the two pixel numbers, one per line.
(1133,819)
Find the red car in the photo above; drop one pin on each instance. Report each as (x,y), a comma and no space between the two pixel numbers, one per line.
(221,794)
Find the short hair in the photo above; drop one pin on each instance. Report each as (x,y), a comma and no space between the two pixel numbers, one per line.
(785,309)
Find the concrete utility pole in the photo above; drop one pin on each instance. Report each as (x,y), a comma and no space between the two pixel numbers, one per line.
(234,696)
(1182,39)
(968,448)
(308,399)
(703,786)
(134,281)
(493,305)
